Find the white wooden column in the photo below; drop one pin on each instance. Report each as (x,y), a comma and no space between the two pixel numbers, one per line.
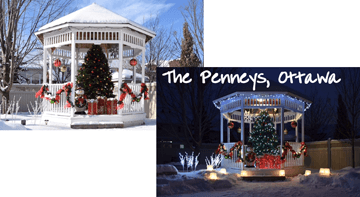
(221,128)
(242,131)
(120,65)
(303,125)
(282,130)
(143,76)
(134,72)
(275,126)
(143,65)
(76,62)
(50,68)
(228,132)
(72,71)
(296,130)
(44,65)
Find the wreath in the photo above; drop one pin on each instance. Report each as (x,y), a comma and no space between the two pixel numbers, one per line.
(79,101)
(250,157)
(125,89)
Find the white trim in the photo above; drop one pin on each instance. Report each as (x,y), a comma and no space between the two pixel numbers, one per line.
(72,71)
(73,26)
(221,128)
(120,65)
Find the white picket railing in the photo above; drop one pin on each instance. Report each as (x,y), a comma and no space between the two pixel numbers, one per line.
(231,163)
(133,107)
(289,162)
(59,108)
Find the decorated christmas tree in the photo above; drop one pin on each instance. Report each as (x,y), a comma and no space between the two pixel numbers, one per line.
(263,136)
(95,75)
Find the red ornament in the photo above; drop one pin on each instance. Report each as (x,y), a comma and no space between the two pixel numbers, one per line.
(133,62)
(57,63)
(293,124)
(90,85)
(231,125)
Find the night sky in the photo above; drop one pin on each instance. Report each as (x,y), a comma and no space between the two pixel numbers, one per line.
(324,90)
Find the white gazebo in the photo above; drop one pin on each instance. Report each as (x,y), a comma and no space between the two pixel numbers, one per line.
(70,37)
(243,107)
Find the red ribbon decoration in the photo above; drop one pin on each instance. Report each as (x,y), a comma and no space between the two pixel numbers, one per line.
(125,89)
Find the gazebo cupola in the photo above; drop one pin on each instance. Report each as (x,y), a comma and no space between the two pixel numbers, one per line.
(70,37)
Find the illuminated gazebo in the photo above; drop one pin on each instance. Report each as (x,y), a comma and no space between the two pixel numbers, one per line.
(70,37)
(244,107)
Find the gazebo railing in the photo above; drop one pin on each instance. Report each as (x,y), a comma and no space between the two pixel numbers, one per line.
(133,107)
(231,163)
(289,162)
(58,109)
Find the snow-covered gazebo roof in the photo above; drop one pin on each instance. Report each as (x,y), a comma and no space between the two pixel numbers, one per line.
(95,16)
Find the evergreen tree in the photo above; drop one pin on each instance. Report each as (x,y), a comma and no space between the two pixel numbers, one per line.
(95,75)
(343,125)
(263,136)
(188,57)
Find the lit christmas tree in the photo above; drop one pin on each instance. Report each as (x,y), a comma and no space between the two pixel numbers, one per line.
(95,74)
(263,136)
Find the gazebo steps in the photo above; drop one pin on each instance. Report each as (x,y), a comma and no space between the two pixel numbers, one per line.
(264,178)
(253,174)
(96,121)
(97,126)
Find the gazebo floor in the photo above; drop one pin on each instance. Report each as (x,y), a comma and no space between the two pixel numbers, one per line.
(95,121)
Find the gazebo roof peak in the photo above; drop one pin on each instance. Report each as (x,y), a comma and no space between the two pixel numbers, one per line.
(93,14)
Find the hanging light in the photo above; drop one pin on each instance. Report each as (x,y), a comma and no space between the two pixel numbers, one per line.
(285,131)
(63,69)
(239,130)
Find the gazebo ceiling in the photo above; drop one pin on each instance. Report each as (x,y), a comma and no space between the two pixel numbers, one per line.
(94,16)
(261,100)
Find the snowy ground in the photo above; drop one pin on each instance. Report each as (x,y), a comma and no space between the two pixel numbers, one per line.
(345,182)
(34,123)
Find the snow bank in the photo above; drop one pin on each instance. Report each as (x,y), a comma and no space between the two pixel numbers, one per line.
(9,125)
(347,178)
(166,170)
(194,182)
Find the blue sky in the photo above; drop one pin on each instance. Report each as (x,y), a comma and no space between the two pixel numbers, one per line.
(138,10)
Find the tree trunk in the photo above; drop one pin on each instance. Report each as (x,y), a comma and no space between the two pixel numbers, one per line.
(6,96)
(353,151)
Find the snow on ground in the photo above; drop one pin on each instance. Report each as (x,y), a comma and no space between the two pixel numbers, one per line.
(345,182)
(34,123)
